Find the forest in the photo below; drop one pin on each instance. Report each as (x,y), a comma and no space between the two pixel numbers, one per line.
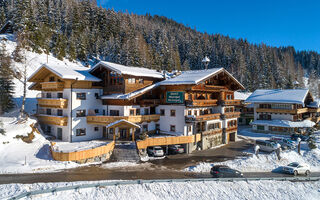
(81,30)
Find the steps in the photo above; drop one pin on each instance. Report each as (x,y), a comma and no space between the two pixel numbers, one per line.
(125,152)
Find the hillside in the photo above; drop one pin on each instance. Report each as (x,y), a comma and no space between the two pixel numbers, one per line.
(80,30)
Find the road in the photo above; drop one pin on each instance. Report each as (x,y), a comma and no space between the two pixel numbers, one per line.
(168,168)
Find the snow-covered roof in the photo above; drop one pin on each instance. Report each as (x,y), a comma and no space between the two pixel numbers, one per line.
(65,71)
(315,104)
(193,77)
(129,70)
(279,96)
(284,123)
(122,120)
(131,94)
(241,95)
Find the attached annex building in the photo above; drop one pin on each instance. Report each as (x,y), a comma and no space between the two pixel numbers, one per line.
(117,102)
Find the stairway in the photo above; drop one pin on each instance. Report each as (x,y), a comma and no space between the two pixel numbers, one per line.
(125,152)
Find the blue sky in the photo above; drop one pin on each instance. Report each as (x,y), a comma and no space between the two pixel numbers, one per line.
(276,23)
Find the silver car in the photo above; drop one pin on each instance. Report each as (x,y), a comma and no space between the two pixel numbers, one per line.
(266,145)
(296,168)
(155,151)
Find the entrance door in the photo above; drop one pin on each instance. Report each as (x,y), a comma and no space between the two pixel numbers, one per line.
(232,137)
(59,133)
(123,133)
(104,131)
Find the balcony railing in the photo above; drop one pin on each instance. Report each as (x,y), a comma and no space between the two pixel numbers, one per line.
(231,102)
(53,103)
(231,129)
(230,115)
(149,101)
(212,132)
(203,117)
(202,102)
(53,119)
(52,86)
(104,120)
(283,111)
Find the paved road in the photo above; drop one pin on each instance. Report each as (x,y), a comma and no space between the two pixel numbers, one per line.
(168,168)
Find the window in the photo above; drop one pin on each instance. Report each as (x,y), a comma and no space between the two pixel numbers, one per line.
(214,126)
(96,95)
(141,81)
(189,128)
(81,96)
(114,112)
(157,126)
(103,112)
(96,128)
(162,112)
(80,132)
(232,123)
(51,79)
(59,112)
(48,129)
(96,111)
(131,112)
(172,128)
(228,109)
(131,80)
(48,95)
(48,111)
(189,112)
(138,111)
(60,95)
(80,113)
(172,113)
(145,128)
(146,111)
(195,112)
(260,127)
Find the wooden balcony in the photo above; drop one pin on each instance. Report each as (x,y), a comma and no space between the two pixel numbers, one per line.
(230,115)
(203,117)
(149,102)
(212,132)
(53,103)
(52,86)
(105,120)
(283,111)
(231,129)
(53,119)
(314,110)
(204,102)
(231,102)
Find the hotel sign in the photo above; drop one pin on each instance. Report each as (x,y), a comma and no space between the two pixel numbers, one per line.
(175,97)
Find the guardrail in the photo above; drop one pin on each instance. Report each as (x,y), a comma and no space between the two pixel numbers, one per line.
(116,183)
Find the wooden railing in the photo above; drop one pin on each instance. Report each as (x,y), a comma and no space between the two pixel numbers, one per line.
(314,110)
(204,102)
(52,119)
(105,120)
(169,140)
(212,132)
(231,129)
(231,102)
(82,155)
(203,117)
(53,103)
(284,111)
(52,86)
(231,115)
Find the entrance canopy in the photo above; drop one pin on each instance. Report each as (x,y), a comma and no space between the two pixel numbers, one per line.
(122,124)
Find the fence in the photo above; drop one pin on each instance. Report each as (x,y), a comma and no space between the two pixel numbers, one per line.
(82,155)
(116,183)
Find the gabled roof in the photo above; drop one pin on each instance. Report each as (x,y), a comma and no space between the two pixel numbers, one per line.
(122,121)
(129,70)
(193,77)
(315,104)
(297,96)
(67,72)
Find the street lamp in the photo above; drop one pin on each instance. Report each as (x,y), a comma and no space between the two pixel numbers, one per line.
(206,61)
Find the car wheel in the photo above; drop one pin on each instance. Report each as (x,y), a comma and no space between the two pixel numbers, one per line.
(295,173)
(307,173)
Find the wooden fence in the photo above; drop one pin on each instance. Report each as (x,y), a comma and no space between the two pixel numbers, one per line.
(82,155)
(171,140)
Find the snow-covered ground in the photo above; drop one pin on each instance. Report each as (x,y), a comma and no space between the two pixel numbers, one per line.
(198,190)
(265,162)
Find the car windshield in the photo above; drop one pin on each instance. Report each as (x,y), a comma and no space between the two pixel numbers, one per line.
(293,165)
(158,148)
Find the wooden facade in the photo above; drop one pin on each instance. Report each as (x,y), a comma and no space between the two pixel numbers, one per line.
(53,103)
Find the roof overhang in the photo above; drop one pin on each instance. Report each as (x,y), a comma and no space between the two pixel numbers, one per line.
(122,123)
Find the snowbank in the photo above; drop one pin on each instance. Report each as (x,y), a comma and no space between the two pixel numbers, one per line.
(199,190)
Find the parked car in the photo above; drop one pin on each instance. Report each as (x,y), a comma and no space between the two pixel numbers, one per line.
(284,142)
(175,149)
(302,137)
(266,145)
(222,171)
(296,168)
(155,151)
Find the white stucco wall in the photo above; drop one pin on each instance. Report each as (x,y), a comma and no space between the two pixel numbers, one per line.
(167,120)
